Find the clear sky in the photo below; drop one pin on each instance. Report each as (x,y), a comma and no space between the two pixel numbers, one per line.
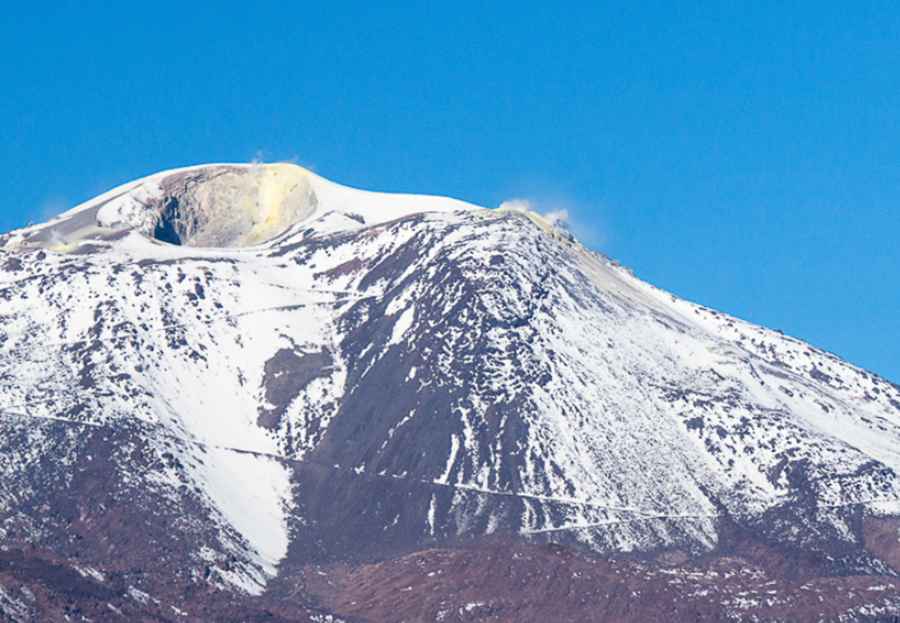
(747,158)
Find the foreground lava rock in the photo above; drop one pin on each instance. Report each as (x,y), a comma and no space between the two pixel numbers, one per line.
(488,582)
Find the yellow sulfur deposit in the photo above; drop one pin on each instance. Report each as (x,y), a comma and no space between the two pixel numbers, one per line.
(237,207)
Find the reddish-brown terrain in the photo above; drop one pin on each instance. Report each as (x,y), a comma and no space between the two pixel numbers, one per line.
(492,582)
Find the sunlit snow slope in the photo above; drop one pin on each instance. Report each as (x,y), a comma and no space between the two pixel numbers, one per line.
(262,367)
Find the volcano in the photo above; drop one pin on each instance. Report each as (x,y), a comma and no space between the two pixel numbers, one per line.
(244,392)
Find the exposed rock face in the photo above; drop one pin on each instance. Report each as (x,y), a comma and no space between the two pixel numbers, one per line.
(232,207)
(285,376)
(217,380)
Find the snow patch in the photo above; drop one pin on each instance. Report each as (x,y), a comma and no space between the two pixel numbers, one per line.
(402,325)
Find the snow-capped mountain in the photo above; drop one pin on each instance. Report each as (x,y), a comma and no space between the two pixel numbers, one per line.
(223,374)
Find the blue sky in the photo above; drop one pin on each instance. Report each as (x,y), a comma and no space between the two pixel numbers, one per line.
(747,158)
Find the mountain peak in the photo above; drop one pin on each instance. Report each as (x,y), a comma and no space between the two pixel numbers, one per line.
(224,374)
(225,206)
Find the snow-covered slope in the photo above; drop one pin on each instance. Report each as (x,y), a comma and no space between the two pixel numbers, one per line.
(262,367)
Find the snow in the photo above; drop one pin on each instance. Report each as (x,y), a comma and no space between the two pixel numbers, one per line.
(90,572)
(402,325)
(12,607)
(138,595)
(253,493)
(432,510)
(451,460)
(637,413)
